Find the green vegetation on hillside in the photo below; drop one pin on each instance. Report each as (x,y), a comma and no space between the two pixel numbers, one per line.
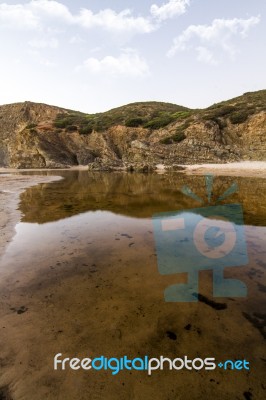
(157,115)
(152,115)
(134,122)
(237,110)
(178,136)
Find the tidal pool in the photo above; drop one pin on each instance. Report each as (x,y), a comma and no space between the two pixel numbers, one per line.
(80,278)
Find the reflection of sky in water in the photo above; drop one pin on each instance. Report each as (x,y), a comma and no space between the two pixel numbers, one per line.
(200,241)
(87,280)
(98,214)
(95,233)
(69,236)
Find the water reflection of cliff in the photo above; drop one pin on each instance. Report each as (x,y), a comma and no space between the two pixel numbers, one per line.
(136,195)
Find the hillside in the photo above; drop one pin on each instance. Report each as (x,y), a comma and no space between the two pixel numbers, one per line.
(137,136)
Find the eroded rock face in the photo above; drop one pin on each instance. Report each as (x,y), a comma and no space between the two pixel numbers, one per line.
(30,139)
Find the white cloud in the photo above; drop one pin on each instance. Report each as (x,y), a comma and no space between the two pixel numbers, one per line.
(205,55)
(50,8)
(47,63)
(18,16)
(116,22)
(129,63)
(37,57)
(41,13)
(170,9)
(218,34)
(76,39)
(44,43)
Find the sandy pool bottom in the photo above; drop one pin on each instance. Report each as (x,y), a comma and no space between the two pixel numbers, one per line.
(85,291)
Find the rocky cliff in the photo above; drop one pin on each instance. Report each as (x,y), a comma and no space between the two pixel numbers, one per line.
(137,136)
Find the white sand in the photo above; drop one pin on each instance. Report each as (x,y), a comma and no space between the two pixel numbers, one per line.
(243,168)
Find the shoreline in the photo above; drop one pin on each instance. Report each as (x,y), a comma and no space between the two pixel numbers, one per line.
(256,169)
(11,186)
(8,170)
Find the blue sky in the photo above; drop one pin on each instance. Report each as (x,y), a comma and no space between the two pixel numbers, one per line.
(93,55)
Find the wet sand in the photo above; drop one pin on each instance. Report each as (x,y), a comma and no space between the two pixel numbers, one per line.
(89,290)
(256,169)
(11,186)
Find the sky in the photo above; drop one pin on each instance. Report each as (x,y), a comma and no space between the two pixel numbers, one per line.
(94,55)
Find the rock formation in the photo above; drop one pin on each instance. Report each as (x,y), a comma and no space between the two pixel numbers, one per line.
(138,136)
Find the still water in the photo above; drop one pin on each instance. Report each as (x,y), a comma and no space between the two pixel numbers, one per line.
(81,278)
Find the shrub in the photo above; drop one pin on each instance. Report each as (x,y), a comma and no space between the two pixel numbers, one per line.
(181,114)
(85,130)
(219,111)
(61,123)
(134,122)
(101,125)
(71,128)
(178,137)
(239,117)
(220,122)
(160,122)
(224,110)
(30,126)
(251,110)
(167,140)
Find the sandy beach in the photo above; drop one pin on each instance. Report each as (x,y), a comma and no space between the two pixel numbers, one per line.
(244,168)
